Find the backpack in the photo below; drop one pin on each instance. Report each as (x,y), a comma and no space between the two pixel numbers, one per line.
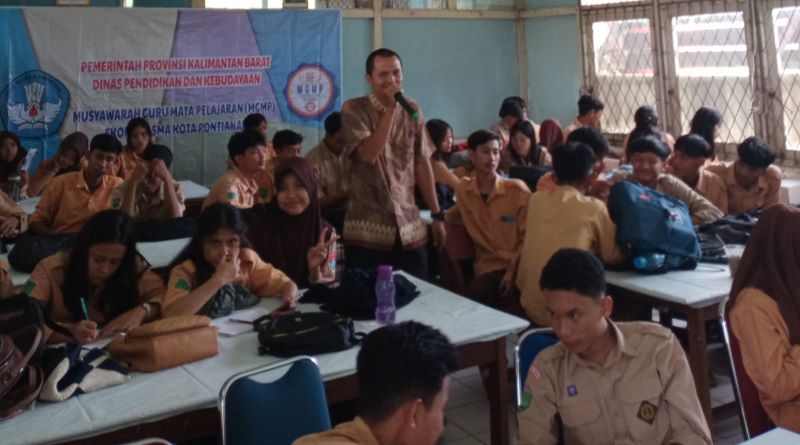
(310,333)
(20,311)
(29,249)
(648,221)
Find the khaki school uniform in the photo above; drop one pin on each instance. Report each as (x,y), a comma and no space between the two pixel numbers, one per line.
(712,187)
(128,161)
(700,208)
(150,207)
(67,203)
(559,219)
(740,200)
(643,394)
(233,188)
(353,432)
(265,183)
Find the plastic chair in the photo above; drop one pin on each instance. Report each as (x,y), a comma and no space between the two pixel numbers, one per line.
(527,348)
(753,418)
(458,247)
(278,412)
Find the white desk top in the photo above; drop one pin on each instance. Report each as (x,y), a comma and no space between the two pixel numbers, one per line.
(154,396)
(705,286)
(191,190)
(778,436)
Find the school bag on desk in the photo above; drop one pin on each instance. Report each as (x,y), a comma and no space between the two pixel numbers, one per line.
(649,222)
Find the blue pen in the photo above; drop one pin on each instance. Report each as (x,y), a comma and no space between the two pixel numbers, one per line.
(85,309)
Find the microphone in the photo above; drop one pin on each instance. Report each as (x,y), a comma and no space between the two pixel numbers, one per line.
(398,96)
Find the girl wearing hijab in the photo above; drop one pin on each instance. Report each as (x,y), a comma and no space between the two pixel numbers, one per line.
(522,149)
(67,159)
(289,232)
(12,155)
(765,313)
(550,134)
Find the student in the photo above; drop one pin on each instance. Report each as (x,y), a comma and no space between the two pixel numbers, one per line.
(560,218)
(607,382)
(150,193)
(493,209)
(12,156)
(257,122)
(101,287)
(646,124)
(687,163)
(139,137)
(590,111)
(289,233)
(765,314)
(648,155)
(68,159)
(287,144)
(707,123)
(219,254)
(247,152)
(512,110)
(522,149)
(71,199)
(752,182)
(550,134)
(442,137)
(598,187)
(403,383)
(389,155)
(331,165)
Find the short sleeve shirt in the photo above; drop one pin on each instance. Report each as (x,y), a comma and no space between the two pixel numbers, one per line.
(233,188)
(150,207)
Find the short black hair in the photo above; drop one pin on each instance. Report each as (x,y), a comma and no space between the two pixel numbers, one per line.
(106,143)
(157,151)
(243,140)
(284,138)
(135,123)
(756,153)
(572,162)
(589,103)
(437,129)
(333,123)
(401,362)
(481,137)
(381,52)
(593,138)
(511,108)
(649,144)
(704,122)
(693,145)
(574,270)
(253,120)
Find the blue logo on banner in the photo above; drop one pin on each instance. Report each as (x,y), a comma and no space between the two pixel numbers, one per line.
(35,104)
(310,91)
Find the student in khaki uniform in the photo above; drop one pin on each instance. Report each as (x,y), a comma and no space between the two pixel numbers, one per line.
(598,187)
(607,382)
(560,218)
(71,199)
(68,159)
(104,270)
(287,144)
(247,152)
(648,156)
(150,193)
(493,209)
(590,111)
(403,380)
(266,190)
(139,137)
(218,255)
(752,182)
(523,149)
(687,164)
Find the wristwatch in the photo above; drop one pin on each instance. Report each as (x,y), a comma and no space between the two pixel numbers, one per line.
(438,216)
(148,308)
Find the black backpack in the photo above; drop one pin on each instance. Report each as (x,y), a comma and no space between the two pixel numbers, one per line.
(19,311)
(310,333)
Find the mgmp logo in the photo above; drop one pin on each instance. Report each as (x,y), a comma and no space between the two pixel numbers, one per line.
(34,104)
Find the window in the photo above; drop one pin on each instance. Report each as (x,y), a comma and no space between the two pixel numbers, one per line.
(786,31)
(415,4)
(485,4)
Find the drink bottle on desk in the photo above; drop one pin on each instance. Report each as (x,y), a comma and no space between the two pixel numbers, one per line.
(649,261)
(384,294)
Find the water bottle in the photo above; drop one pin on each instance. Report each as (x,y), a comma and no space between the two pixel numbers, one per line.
(649,261)
(384,293)
(13,187)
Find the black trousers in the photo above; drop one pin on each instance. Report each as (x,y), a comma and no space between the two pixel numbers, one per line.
(413,261)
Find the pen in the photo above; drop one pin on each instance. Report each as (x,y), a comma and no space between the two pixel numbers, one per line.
(85,309)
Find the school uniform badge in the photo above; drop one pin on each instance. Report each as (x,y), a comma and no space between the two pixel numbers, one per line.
(647,412)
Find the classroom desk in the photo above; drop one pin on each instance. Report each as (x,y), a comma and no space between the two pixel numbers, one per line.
(777,436)
(695,295)
(180,403)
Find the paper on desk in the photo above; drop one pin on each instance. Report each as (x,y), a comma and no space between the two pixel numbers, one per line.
(102,343)
(249,315)
(228,328)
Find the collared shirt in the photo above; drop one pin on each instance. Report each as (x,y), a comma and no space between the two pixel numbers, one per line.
(45,172)
(496,225)
(265,182)
(48,277)
(381,203)
(149,207)
(233,188)
(700,208)
(67,203)
(128,160)
(571,127)
(507,160)
(559,219)
(740,200)
(768,355)
(258,277)
(712,187)
(353,432)
(332,171)
(644,393)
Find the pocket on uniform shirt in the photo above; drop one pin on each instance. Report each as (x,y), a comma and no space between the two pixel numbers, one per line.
(641,407)
(582,422)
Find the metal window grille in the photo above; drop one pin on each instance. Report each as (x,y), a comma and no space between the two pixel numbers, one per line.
(781,22)
(343,4)
(415,4)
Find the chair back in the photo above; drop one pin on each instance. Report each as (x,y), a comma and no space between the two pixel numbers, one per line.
(283,410)
(527,348)
(459,245)
(754,419)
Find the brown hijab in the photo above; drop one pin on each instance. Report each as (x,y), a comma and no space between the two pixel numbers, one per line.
(771,263)
(550,133)
(281,239)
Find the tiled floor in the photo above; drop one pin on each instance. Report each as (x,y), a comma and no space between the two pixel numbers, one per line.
(467,411)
